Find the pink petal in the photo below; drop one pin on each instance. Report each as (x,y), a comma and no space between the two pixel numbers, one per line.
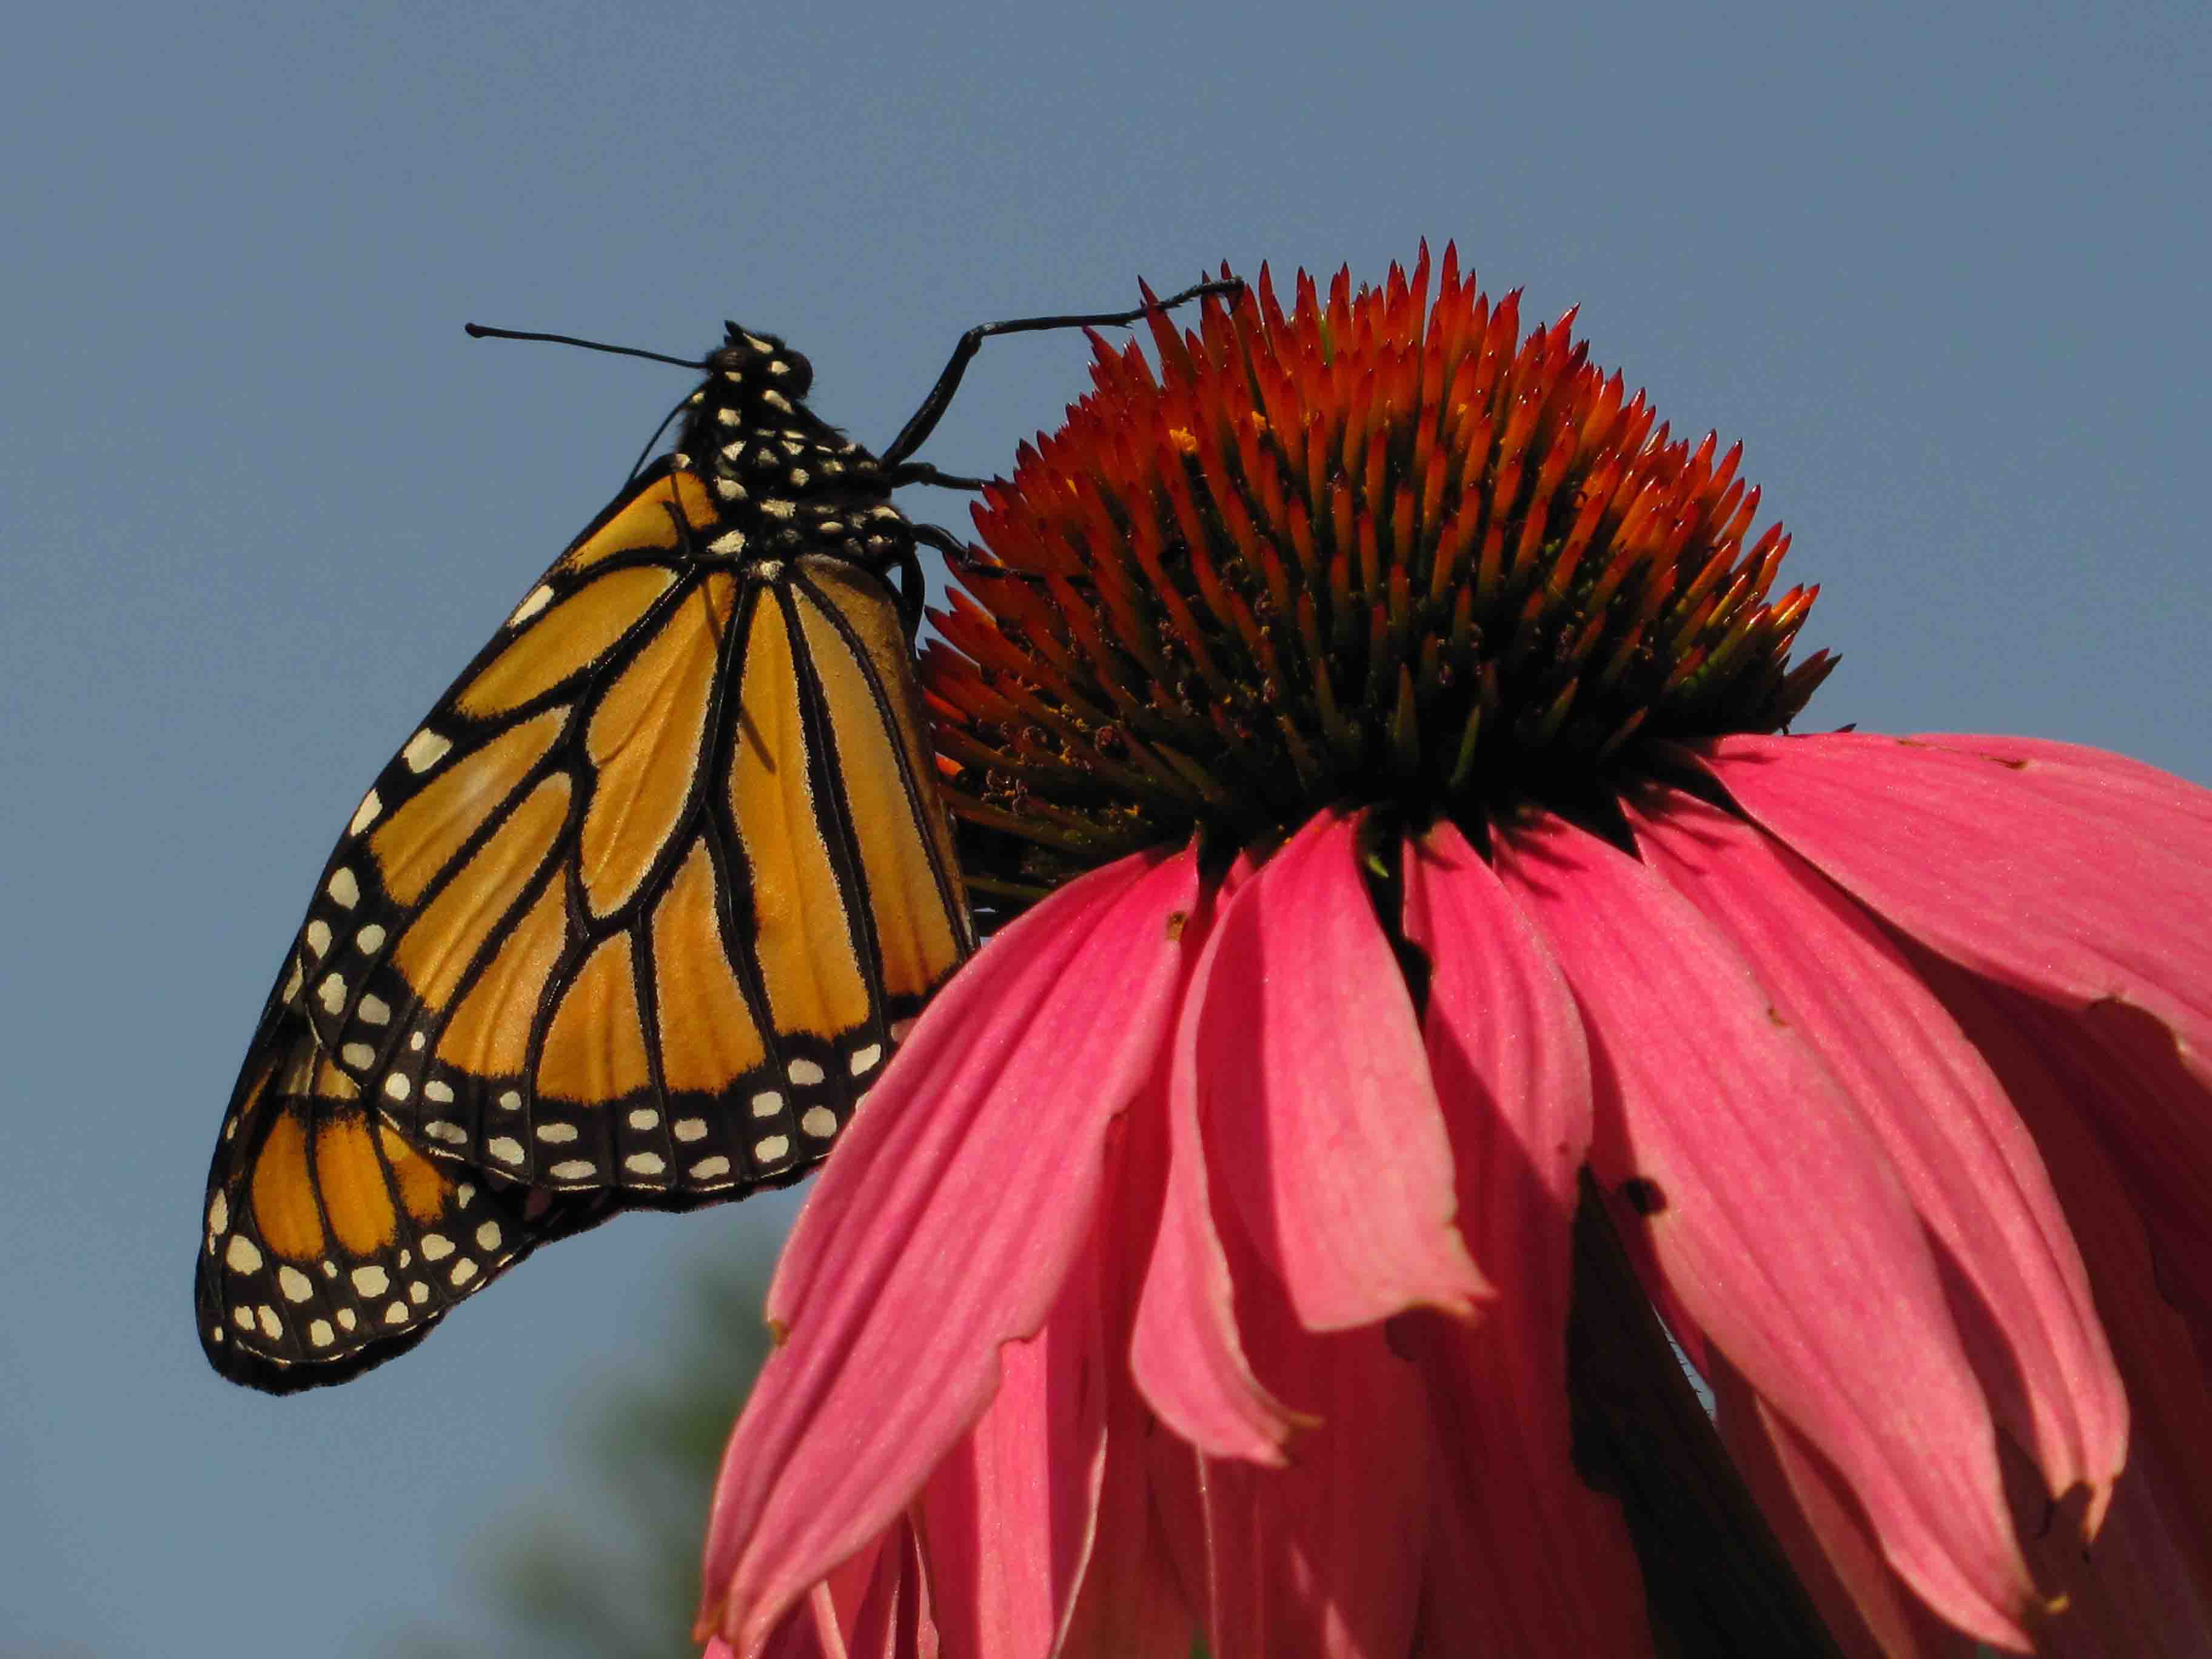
(1131,1604)
(2093,772)
(1320,1121)
(1824,1532)
(2156,1545)
(1007,1516)
(942,1229)
(1775,1217)
(1324,1559)
(1554,1571)
(2012,869)
(2019,1291)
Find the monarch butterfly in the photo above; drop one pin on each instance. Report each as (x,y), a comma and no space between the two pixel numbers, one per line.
(634,916)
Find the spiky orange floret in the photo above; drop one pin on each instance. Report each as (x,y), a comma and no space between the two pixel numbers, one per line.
(1371,550)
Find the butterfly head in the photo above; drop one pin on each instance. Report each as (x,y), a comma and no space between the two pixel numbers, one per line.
(761,362)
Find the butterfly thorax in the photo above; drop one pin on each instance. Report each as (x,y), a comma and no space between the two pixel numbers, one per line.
(785,481)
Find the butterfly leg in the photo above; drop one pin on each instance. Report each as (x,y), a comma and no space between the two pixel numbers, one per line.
(916,431)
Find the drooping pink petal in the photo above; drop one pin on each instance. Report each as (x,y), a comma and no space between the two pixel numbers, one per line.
(2009,867)
(2018,1288)
(1325,1558)
(1554,1570)
(1007,1517)
(1864,1605)
(1321,1124)
(943,1228)
(2156,1549)
(1775,1216)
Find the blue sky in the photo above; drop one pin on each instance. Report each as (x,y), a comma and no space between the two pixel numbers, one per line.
(1941,269)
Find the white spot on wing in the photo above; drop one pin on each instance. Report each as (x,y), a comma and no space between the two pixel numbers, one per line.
(370,938)
(710,1169)
(218,1217)
(864,1060)
(644,1163)
(440,1092)
(436,1247)
(511,1100)
(805,1072)
(690,1128)
(243,1256)
(359,1055)
(644,1118)
(371,1280)
(396,1314)
(321,1334)
(345,887)
(295,1284)
(506,1148)
(464,1271)
(347,1320)
(767,1103)
(556,1133)
(575,1168)
(318,937)
(425,750)
(820,1121)
(365,814)
(332,993)
(271,1327)
(540,597)
(771,1147)
(488,1236)
(375,1011)
(441,1129)
(398,1086)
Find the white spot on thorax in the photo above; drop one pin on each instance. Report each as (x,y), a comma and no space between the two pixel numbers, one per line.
(776,400)
(732,543)
(778,509)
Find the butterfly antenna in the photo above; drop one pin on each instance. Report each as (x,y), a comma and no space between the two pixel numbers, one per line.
(485,331)
(666,421)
